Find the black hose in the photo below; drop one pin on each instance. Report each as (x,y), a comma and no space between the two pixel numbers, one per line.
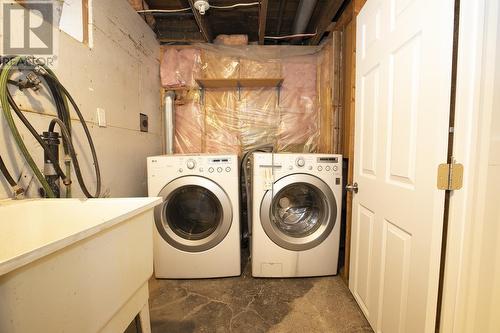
(60,96)
(32,130)
(72,153)
(7,174)
(87,134)
(62,110)
(267,148)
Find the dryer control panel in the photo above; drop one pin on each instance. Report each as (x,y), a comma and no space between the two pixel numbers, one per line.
(195,164)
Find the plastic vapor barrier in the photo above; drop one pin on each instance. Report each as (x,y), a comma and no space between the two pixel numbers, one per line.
(232,120)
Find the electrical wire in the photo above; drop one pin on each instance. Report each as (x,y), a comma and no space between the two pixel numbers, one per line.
(291,36)
(236,5)
(164,10)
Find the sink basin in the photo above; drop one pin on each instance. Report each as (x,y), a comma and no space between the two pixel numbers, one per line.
(71,265)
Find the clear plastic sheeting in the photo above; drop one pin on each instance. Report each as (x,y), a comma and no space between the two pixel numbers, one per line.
(254,69)
(261,53)
(299,125)
(259,118)
(188,128)
(180,68)
(236,120)
(222,133)
(219,66)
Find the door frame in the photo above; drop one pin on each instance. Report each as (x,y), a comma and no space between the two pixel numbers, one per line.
(473,111)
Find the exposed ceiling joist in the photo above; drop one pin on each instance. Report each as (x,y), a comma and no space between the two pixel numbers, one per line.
(202,22)
(262,20)
(321,25)
(180,39)
(280,16)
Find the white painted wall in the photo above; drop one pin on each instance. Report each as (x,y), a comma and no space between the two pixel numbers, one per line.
(119,74)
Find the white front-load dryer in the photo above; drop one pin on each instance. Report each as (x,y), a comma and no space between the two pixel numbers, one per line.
(296,207)
(197,228)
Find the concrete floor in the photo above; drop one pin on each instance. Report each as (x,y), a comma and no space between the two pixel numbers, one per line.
(246,304)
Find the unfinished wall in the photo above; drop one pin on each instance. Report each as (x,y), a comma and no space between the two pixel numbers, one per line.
(298,117)
(118,74)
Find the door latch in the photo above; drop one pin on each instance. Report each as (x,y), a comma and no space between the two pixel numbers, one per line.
(352,188)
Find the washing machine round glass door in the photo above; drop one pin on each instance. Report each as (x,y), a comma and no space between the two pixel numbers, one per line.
(196,214)
(299,212)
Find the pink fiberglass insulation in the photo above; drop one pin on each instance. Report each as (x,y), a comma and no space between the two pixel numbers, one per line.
(188,128)
(180,68)
(299,109)
(221,122)
(231,39)
(136,4)
(258,118)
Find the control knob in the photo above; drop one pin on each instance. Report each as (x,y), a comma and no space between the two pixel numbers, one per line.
(190,164)
(300,162)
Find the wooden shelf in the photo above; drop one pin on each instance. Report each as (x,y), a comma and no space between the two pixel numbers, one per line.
(239,83)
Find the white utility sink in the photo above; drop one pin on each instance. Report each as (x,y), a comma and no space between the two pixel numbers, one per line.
(71,265)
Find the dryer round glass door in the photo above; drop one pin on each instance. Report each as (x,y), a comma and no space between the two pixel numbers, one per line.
(299,212)
(196,214)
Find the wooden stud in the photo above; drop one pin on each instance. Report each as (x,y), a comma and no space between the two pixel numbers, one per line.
(85,19)
(349,105)
(262,20)
(347,24)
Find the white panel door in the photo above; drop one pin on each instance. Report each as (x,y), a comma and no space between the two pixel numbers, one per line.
(403,82)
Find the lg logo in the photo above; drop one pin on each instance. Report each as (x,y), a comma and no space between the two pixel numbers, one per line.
(27,29)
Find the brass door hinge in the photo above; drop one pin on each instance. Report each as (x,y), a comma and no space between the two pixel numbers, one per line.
(450,176)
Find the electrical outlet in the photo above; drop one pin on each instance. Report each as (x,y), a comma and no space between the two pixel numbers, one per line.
(101,117)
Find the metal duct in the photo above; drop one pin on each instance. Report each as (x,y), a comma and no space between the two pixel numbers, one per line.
(304,13)
(169,122)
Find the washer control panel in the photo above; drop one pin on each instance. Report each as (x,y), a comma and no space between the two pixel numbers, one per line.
(310,163)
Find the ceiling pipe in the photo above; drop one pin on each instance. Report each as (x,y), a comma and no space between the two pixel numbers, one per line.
(304,13)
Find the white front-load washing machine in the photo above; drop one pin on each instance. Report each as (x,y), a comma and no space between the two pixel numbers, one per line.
(296,207)
(197,228)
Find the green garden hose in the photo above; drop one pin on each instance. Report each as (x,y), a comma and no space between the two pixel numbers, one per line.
(15,132)
(60,96)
